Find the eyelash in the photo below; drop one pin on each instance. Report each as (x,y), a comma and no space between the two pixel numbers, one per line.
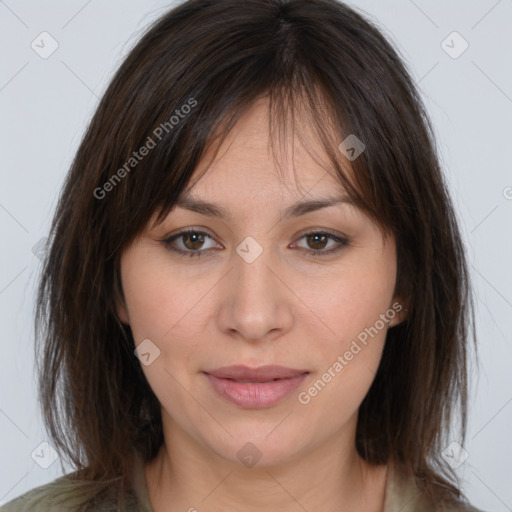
(343,242)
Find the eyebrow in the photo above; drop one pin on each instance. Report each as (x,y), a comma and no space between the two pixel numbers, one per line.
(300,208)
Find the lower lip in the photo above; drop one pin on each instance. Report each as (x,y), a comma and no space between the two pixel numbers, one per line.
(255,395)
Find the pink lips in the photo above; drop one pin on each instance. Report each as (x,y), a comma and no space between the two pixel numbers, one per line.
(255,387)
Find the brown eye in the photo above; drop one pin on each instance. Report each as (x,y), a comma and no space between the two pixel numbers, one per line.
(193,240)
(188,243)
(317,243)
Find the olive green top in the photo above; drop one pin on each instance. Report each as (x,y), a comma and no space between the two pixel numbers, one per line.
(63,495)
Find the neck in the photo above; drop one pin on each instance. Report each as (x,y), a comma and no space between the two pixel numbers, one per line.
(329,477)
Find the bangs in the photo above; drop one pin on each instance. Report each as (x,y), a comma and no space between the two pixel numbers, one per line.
(182,105)
(295,111)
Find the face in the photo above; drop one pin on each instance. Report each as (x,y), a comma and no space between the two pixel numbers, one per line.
(261,284)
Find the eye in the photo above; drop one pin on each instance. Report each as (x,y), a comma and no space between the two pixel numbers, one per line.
(317,241)
(191,242)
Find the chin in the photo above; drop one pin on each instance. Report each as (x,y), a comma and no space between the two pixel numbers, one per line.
(255,447)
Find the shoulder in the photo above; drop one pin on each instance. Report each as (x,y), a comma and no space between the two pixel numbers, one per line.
(405,494)
(43,498)
(65,494)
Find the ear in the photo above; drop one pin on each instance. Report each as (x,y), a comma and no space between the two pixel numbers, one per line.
(119,300)
(397,312)
(122,312)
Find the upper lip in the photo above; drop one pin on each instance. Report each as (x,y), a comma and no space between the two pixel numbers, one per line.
(259,374)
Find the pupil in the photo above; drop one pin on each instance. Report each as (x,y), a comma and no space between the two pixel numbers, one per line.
(196,240)
(316,238)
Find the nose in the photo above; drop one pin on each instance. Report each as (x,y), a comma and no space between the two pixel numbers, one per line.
(256,302)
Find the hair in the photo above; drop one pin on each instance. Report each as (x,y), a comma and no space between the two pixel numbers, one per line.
(324,60)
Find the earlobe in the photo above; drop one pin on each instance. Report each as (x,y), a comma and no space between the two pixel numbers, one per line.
(119,300)
(122,313)
(398,312)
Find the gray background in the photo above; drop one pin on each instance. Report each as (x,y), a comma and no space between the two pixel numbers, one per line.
(46,104)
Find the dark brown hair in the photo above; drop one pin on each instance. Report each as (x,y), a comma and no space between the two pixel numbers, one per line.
(217,57)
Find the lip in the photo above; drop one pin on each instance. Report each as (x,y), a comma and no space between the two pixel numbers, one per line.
(255,388)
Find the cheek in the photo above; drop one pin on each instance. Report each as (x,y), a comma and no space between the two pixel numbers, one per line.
(160,301)
(355,297)
(348,361)
(352,305)
(171,310)
(166,309)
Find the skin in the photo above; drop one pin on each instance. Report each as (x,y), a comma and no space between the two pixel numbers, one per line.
(286,307)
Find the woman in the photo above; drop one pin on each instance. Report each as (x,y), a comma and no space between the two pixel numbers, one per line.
(255,295)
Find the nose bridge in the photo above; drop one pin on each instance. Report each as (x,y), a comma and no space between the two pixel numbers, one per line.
(252,271)
(255,301)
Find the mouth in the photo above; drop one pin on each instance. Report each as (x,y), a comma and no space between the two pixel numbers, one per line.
(255,388)
(266,373)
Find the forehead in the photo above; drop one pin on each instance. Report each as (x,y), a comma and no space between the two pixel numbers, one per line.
(258,158)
